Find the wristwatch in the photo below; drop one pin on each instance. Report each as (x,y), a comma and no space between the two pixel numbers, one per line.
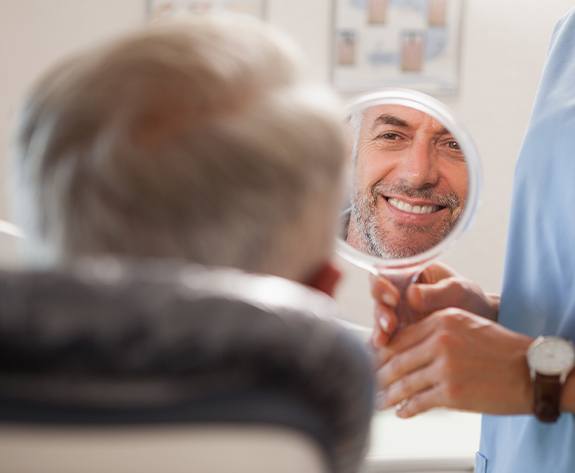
(550,360)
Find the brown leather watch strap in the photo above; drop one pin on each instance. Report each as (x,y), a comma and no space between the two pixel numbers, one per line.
(546,397)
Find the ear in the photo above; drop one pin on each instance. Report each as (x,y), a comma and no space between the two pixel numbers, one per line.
(325,279)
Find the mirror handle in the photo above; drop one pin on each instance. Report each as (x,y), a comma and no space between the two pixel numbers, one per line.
(402,280)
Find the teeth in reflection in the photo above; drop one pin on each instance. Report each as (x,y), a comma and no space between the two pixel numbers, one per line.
(412,209)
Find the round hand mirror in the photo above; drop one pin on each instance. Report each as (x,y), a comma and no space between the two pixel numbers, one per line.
(413,186)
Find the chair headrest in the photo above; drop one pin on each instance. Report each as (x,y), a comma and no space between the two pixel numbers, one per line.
(147,337)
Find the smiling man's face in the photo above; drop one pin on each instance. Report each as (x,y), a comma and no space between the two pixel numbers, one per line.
(410,183)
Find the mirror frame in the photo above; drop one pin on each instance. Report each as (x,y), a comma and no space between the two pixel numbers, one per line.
(426,104)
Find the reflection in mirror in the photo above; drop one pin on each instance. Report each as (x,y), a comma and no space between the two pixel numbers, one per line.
(413,187)
(409,182)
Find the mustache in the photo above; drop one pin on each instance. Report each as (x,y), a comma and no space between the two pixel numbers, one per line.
(442,199)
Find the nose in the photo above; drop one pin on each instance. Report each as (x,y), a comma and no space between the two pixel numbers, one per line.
(419,167)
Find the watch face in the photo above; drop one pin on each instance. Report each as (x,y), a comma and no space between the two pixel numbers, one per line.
(551,356)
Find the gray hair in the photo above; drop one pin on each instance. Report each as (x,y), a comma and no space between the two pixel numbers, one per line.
(198,140)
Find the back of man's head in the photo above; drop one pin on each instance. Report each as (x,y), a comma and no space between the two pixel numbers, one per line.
(198,140)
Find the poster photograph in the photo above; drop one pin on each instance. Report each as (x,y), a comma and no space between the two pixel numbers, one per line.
(396,43)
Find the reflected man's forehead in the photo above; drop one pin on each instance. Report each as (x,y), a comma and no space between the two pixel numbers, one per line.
(402,117)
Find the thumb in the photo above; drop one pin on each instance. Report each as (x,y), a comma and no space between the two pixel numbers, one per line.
(435,273)
(428,298)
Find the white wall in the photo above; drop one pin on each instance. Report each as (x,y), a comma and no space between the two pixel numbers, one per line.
(35,33)
(504,44)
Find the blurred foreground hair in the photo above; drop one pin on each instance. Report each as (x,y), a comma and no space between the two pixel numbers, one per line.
(198,139)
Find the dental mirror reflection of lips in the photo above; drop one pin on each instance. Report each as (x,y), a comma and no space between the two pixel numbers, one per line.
(413,186)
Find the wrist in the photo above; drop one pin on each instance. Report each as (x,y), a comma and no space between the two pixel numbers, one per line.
(525,386)
(550,360)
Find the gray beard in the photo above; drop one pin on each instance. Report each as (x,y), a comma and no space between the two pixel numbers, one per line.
(376,240)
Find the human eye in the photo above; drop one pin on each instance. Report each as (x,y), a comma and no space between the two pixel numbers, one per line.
(389,136)
(391,139)
(449,143)
(451,147)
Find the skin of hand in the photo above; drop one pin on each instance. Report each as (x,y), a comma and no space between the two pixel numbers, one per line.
(452,358)
(457,360)
(438,287)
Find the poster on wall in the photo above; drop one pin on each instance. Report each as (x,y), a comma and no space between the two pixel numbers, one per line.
(396,43)
(158,8)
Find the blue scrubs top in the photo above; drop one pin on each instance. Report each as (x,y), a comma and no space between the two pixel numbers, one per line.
(539,286)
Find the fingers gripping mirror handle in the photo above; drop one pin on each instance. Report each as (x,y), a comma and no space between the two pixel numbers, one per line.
(402,280)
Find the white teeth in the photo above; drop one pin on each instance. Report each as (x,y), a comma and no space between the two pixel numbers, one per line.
(413,209)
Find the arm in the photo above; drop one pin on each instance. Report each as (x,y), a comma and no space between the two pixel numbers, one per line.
(458,360)
(454,358)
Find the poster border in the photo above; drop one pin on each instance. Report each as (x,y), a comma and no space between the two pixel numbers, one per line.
(357,90)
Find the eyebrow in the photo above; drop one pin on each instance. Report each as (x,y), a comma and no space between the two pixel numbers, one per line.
(387,119)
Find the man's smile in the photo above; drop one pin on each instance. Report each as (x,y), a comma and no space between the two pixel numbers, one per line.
(399,221)
(413,209)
